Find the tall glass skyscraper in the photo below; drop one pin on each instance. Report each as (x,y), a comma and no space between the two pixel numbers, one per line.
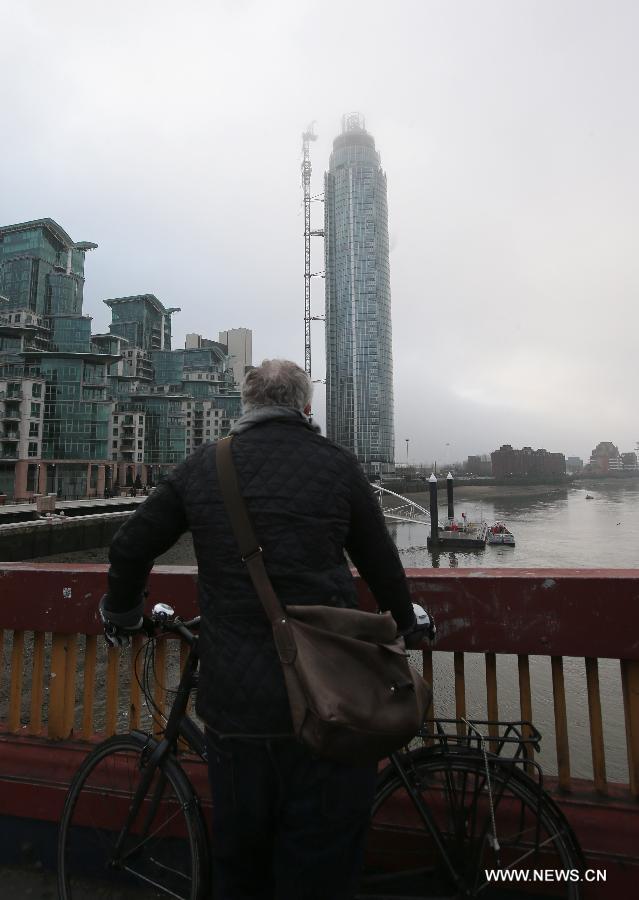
(359,355)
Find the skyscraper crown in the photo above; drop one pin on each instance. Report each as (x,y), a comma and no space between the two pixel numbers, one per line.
(353,121)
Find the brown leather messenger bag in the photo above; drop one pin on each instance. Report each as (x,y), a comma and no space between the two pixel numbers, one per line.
(353,696)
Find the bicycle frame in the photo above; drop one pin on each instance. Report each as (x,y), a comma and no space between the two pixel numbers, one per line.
(522,736)
(178,725)
(426,816)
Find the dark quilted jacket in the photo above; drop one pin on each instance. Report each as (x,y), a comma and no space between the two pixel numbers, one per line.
(309,501)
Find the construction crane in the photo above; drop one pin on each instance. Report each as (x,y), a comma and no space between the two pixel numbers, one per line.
(308,136)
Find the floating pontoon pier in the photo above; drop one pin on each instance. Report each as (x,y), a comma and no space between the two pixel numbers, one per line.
(454,535)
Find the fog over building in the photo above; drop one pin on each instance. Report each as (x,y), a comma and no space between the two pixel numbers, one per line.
(359,357)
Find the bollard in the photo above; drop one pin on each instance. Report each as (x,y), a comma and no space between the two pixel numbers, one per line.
(434,515)
(449,493)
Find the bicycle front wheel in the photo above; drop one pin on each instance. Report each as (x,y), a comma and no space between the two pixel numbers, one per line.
(161,853)
(451,850)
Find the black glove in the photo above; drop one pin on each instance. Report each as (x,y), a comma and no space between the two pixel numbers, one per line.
(118,627)
(423,630)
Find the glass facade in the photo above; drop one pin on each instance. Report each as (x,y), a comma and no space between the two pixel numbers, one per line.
(65,295)
(142,320)
(205,381)
(41,268)
(165,440)
(71,334)
(168,366)
(119,399)
(204,374)
(76,408)
(359,357)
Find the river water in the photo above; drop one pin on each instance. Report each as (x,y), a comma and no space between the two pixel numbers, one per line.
(560,529)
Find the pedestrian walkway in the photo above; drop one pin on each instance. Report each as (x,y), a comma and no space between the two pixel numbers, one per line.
(27,883)
(34,884)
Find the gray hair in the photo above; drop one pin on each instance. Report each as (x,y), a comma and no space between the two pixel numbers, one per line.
(276,382)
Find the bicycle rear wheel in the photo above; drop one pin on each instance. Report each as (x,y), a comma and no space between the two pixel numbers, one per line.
(162,854)
(532,833)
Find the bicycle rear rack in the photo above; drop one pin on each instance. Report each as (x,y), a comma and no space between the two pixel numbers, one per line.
(512,741)
(506,744)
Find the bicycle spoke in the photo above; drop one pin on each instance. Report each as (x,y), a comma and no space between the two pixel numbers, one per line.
(169,869)
(155,884)
(99,837)
(154,834)
(461,804)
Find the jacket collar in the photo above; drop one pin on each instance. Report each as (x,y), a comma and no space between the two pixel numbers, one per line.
(272,414)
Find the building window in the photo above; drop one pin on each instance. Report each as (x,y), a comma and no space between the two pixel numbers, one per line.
(139,445)
(115,420)
(35,410)
(115,431)
(140,432)
(33,449)
(115,445)
(34,429)
(36,390)
(140,420)
(139,457)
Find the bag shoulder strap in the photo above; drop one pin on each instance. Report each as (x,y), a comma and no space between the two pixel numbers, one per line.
(243,530)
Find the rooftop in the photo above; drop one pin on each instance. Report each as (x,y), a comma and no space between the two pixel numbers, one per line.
(146,298)
(56,230)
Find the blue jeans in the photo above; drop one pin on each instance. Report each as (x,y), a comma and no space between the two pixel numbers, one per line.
(286,826)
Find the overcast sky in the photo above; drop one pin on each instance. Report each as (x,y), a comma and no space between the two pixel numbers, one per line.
(170,134)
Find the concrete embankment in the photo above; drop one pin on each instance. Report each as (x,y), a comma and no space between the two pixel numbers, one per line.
(47,536)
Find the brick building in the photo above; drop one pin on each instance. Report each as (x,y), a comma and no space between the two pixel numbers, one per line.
(527,463)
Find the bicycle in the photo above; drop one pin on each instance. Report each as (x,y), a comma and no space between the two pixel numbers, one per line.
(443,813)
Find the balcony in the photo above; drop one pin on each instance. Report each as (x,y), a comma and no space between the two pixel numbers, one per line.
(11,415)
(498,629)
(9,436)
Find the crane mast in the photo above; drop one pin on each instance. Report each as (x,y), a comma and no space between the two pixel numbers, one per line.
(307,169)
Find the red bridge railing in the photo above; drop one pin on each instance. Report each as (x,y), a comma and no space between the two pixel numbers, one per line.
(557,645)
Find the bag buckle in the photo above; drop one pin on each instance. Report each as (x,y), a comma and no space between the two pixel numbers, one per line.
(396,686)
(252,555)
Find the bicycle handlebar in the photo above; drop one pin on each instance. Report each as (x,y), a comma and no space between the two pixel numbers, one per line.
(163,618)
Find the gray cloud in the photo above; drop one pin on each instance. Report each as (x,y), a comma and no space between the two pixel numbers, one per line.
(170,135)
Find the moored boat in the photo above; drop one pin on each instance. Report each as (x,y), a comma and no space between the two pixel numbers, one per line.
(499,534)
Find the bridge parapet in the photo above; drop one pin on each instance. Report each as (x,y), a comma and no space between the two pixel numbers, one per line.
(60,688)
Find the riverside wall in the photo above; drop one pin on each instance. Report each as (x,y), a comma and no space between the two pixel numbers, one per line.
(47,536)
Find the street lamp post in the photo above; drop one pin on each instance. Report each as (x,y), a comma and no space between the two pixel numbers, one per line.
(407,440)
